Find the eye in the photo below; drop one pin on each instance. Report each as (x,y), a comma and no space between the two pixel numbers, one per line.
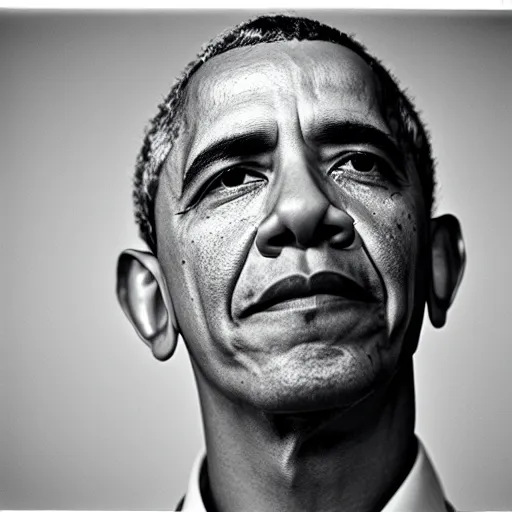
(229,180)
(234,177)
(361,162)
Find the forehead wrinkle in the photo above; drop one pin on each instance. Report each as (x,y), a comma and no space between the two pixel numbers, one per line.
(347,92)
(226,79)
(355,77)
(355,82)
(223,88)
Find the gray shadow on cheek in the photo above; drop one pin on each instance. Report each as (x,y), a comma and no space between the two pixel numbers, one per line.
(230,344)
(242,261)
(374,267)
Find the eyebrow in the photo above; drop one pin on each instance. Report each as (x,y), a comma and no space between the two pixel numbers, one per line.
(246,144)
(349,132)
(258,142)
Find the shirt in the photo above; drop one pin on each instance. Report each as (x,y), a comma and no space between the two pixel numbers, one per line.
(420,491)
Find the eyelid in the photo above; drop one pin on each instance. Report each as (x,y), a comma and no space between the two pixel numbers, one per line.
(207,185)
(366,149)
(202,192)
(363,149)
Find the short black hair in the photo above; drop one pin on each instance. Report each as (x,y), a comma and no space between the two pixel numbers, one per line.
(403,119)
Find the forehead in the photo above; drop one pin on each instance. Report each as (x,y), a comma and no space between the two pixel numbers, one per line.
(302,73)
(313,66)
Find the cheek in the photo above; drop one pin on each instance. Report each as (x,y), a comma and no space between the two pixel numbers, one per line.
(387,221)
(210,246)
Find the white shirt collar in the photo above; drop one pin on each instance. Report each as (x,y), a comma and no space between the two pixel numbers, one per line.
(421,490)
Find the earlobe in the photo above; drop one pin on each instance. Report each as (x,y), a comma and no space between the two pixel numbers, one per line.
(144,298)
(448,260)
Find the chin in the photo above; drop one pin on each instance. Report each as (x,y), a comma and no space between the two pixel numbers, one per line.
(315,377)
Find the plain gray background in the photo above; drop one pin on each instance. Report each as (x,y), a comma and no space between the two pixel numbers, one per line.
(88,418)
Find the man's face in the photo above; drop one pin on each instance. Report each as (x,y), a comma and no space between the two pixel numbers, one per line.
(313,324)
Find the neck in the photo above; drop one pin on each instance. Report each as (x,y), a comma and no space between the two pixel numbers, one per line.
(350,459)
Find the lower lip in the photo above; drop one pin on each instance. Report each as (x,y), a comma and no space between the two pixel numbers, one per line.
(311,302)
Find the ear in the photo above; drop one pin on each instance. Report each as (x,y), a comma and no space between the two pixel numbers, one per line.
(447,266)
(144,298)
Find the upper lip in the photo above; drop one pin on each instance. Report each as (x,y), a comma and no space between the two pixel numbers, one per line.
(298,285)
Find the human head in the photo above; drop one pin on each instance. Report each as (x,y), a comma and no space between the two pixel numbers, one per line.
(203,291)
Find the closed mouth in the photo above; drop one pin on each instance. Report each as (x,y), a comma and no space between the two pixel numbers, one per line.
(289,291)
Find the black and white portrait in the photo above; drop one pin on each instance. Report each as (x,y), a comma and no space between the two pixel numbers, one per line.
(256,261)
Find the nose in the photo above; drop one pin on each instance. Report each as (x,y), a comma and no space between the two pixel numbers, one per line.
(302,217)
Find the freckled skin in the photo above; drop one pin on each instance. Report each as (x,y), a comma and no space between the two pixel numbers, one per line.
(287,361)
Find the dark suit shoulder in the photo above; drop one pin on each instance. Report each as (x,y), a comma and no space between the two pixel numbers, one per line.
(179,506)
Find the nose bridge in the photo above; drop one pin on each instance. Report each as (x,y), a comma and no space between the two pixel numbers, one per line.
(301,201)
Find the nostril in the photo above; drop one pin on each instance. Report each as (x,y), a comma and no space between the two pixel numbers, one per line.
(329,232)
(304,229)
(341,239)
(282,239)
